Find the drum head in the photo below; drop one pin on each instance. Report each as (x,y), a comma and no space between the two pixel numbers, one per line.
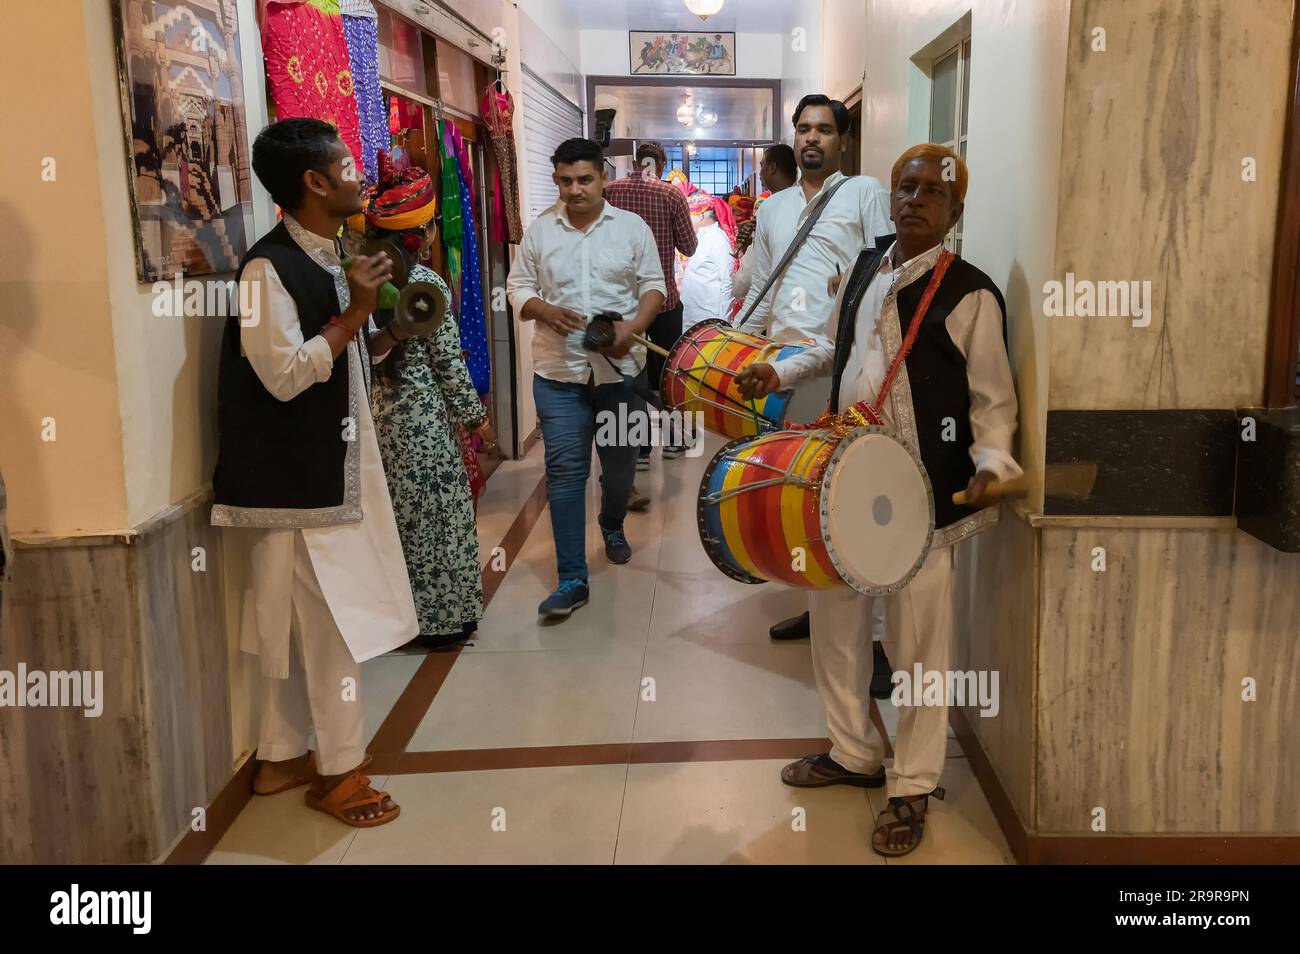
(877,511)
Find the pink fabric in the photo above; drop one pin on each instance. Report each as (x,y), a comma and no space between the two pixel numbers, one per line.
(308,69)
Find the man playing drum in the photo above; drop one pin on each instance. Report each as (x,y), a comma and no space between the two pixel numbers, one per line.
(799,301)
(952,397)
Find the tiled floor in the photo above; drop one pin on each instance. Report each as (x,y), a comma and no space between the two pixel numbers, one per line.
(668,650)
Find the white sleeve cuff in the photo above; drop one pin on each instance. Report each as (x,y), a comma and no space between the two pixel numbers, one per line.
(998,462)
(317,351)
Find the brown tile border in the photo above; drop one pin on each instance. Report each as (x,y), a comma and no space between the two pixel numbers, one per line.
(394,733)
(613,753)
(221,814)
(1114,849)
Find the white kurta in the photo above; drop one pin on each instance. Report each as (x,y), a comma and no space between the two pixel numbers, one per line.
(360,566)
(706,282)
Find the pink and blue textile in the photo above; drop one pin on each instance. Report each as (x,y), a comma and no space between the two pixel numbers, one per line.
(361,30)
(473,327)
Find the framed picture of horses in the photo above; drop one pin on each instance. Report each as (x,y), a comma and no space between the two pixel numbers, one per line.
(682,54)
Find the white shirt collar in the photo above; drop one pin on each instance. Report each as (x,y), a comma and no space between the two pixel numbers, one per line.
(829,181)
(929,256)
(562,215)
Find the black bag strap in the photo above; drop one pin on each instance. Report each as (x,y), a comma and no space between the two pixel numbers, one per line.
(795,245)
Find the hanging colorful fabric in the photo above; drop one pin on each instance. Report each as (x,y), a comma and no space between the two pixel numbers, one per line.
(452,227)
(361,31)
(307,66)
(497,108)
(473,323)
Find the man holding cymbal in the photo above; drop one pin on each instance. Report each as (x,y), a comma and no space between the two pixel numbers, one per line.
(919,346)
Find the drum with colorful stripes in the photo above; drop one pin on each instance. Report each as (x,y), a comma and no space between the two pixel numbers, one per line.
(815,510)
(700,377)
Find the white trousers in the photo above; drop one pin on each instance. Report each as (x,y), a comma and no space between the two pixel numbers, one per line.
(919,622)
(323,690)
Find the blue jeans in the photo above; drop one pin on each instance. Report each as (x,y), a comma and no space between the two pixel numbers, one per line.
(567,413)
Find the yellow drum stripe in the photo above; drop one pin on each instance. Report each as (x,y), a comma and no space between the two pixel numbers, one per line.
(793,501)
(729,511)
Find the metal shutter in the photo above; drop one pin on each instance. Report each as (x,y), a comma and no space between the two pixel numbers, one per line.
(549,119)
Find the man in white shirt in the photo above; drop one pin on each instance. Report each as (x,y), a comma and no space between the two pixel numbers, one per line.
(777,171)
(299,480)
(706,280)
(799,302)
(579,258)
(954,400)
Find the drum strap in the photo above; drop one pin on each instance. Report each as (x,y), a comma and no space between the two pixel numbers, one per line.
(795,244)
(869,413)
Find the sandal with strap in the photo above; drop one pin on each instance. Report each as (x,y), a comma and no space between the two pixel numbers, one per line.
(820,770)
(350,794)
(304,779)
(906,818)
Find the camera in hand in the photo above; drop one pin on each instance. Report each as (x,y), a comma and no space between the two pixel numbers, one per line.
(600,331)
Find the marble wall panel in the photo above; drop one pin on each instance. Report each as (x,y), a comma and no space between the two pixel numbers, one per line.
(1140,703)
(1156,129)
(119,788)
(996,591)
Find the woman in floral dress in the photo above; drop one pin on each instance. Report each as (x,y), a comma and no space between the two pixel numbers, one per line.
(422,392)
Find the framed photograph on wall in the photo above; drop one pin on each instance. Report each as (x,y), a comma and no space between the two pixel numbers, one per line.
(186,135)
(681,54)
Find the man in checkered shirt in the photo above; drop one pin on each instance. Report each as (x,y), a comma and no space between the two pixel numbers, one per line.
(665,211)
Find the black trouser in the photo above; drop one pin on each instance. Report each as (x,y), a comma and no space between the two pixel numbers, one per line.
(664,331)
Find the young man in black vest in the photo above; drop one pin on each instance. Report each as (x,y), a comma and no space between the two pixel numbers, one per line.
(954,401)
(299,480)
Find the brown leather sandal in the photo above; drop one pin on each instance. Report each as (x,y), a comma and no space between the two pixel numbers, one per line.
(350,794)
(906,818)
(819,770)
(303,780)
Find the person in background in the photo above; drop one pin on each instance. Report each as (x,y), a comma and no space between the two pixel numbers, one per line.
(422,391)
(799,301)
(778,171)
(581,257)
(664,209)
(706,282)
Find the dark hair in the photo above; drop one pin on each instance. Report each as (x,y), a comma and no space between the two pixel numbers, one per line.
(781,157)
(652,150)
(284,151)
(578,150)
(820,99)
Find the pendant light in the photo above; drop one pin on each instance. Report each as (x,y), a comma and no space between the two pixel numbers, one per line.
(704,8)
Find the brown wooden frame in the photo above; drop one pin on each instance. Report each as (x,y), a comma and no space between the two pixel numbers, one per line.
(1284,306)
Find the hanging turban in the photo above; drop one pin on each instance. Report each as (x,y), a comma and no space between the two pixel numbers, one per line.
(401,201)
(699,203)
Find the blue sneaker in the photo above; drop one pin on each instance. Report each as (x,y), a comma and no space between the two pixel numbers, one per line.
(568,597)
(617,550)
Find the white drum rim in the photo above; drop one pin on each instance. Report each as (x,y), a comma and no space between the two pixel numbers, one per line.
(824,512)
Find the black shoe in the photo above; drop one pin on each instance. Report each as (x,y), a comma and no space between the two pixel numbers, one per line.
(882,681)
(617,549)
(435,641)
(796,627)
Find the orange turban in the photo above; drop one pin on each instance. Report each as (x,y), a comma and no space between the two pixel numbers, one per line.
(929,150)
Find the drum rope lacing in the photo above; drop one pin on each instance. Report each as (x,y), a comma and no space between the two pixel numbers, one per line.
(704,363)
(787,475)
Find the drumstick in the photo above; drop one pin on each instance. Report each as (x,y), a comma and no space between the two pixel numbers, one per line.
(651,345)
(1019,487)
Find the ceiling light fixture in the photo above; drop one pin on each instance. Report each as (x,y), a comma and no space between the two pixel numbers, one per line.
(687,111)
(704,8)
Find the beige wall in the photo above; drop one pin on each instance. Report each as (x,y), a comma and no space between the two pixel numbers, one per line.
(1016,93)
(1156,130)
(57,345)
(844,31)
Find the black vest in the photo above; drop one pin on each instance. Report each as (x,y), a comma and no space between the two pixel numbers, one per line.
(936,369)
(273,454)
